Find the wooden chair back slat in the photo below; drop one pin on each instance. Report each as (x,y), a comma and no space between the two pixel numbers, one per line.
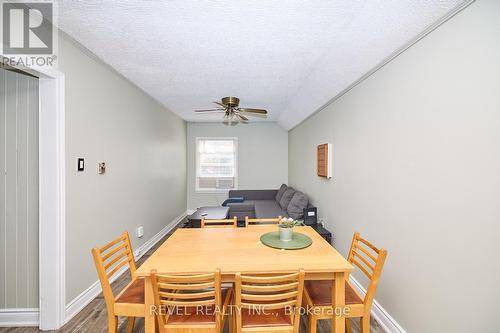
(370,245)
(261,222)
(365,261)
(225,223)
(269,280)
(205,294)
(269,306)
(361,268)
(366,252)
(269,297)
(113,242)
(188,304)
(115,260)
(116,268)
(187,291)
(191,286)
(273,292)
(189,278)
(270,288)
(114,251)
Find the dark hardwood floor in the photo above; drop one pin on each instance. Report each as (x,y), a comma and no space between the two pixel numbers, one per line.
(93,317)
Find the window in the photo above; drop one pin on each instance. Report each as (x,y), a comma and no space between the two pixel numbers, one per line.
(216,164)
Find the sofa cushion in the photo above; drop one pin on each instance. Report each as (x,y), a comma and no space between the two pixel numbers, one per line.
(268,209)
(287,196)
(245,206)
(280,192)
(254,194)
(296,206)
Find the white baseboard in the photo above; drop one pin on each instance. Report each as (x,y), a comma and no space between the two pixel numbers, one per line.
(82,300)
(190,211)
(19,317)
(381,316)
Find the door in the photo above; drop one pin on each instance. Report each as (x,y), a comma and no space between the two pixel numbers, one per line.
(19,213)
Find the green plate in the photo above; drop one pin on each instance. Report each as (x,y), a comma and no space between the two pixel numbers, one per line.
(299,241)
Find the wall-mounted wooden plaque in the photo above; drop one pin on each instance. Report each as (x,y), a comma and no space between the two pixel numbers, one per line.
(324,160)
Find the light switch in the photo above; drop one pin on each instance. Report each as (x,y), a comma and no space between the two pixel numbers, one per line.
(80,164)
(140,231)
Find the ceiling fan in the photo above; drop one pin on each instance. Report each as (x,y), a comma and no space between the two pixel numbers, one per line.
(233,114)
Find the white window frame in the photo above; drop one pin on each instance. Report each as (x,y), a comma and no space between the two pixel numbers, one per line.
(197,164)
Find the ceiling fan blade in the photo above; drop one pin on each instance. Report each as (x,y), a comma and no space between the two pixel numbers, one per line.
(253,110)
(255,115)
(242,117)
(219,103)
(210,110)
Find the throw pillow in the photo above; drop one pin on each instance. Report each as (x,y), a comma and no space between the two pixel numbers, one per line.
(280,192)
(286,197)
(297,204)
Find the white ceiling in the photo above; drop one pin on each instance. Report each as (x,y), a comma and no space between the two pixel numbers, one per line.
(288,56)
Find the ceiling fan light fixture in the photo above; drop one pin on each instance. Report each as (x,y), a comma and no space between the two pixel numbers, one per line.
(230,120)
(233,113)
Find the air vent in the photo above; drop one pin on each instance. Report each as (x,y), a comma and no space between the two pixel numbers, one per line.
(224,184)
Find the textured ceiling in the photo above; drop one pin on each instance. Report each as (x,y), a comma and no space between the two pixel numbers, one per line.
(289,56)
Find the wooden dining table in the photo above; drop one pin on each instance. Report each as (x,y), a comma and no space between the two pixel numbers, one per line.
(233,250)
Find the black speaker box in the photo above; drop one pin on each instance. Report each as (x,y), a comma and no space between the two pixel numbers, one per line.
(311,216)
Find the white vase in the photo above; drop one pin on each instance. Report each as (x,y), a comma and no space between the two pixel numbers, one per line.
(286,234)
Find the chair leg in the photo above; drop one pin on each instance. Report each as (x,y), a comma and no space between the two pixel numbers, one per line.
(348,327)
(232,328)
(365,324)
(236,328)
(312,323)
(157,325)
(112,324)
(130,324)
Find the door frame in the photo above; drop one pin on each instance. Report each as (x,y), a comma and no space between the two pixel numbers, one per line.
(52,201)
(52,197)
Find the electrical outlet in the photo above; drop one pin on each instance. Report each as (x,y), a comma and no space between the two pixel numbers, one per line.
(140,231)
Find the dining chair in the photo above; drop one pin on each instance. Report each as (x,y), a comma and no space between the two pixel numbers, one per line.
(109,260)
(225,223)
(268,303)
(318,294)
(190,303)
(260,222)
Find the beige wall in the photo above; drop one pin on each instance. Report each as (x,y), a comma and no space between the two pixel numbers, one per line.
(262,157)
(417,160)
(144,146)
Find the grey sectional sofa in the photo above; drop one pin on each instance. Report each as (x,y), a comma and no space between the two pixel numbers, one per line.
(268,203)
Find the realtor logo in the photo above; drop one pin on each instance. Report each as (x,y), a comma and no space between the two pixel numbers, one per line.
(28,33)
(27,28)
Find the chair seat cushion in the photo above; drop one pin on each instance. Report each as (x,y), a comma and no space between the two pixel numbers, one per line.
(133,293)
(267,318)
(197,315)
(320,293)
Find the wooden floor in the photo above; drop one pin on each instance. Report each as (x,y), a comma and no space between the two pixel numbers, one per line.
(93,317)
